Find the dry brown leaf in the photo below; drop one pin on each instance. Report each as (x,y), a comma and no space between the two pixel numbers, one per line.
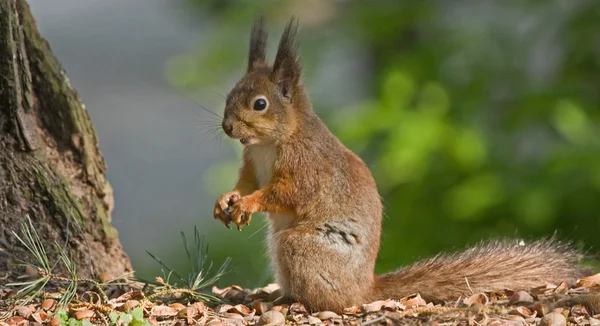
(215,322)
(516,318)
(105,277)
(84,314)
(178,306)
(40,316)
(413,301)
(261,307)
(553,319)
(352,310)
(297,308)
(324,315)
(188,313)
(232,315)
(373,306)
(271,317)
(270,288)
(199,306)
(562,288)
(163,311)
(590,281)
(26,311)
(234,295)
(130,305)
(540,308)
(523,312)
(579,312)
(223,308)
(242,310)
(55,321)
(477,298)
(521,297)
(313,320)
(48,304)
(17,321)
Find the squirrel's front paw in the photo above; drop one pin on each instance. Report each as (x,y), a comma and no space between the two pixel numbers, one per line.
(241,211)
(224,205)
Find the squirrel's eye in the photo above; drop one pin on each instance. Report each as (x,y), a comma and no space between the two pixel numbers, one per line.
(260,104)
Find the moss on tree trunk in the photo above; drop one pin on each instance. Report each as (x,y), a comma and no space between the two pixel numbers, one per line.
(50,166)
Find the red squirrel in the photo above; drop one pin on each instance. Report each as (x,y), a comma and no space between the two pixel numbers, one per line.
(324,210)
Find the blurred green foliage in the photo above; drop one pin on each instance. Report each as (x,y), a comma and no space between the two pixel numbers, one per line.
(480,118)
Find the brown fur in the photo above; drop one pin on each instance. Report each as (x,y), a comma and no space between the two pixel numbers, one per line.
(324,210)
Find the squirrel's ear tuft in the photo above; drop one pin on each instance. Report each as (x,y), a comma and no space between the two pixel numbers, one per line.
(258,44)
(287,68)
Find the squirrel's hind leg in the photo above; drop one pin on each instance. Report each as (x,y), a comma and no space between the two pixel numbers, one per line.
(321,272)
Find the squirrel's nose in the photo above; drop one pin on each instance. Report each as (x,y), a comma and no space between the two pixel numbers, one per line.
(227,127)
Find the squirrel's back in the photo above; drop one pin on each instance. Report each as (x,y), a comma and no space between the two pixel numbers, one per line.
(487,267)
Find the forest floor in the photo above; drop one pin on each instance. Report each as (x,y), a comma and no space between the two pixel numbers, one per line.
(131,303)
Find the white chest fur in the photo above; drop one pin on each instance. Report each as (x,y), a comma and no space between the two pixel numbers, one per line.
(263,160)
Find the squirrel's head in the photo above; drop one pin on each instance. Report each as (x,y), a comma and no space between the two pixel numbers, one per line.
(263,106)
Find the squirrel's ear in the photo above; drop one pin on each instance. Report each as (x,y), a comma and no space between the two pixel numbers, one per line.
(287,68)
(258,44)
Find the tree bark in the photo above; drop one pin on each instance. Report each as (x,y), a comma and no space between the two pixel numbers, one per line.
(50,166)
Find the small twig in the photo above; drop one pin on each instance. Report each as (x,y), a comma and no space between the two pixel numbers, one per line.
(469,285)
(375,320)
(171,291)
(76,280)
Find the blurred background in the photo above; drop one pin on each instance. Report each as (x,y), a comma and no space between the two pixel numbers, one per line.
(478,119)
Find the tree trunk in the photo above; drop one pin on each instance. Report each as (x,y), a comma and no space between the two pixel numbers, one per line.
(50,166)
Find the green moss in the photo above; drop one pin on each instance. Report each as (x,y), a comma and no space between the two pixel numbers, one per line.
(61,200)
(109,231)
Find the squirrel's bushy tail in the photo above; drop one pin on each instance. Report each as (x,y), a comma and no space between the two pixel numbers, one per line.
(487,267)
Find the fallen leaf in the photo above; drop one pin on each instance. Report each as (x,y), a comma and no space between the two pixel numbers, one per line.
(223,308)
(553,319)
(373,306)
(163,311)
(40,316)
(215,322)
(234,295)
(271,317)
(130,305)
(261,307)
(199,306)
(84,314)
(590,281)
(188,312)
(562,288)
(540,308)
(243,310)
(105,277)
(313,320)
(323,315)
(55,321)
(232,315)
(16,320)
(297,308)
(478,298)
(523,312)
(26,311)
(352,310)
(521,297)
(413,301)
(48,304)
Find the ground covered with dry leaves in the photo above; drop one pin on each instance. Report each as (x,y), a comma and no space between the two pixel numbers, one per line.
(130,304)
